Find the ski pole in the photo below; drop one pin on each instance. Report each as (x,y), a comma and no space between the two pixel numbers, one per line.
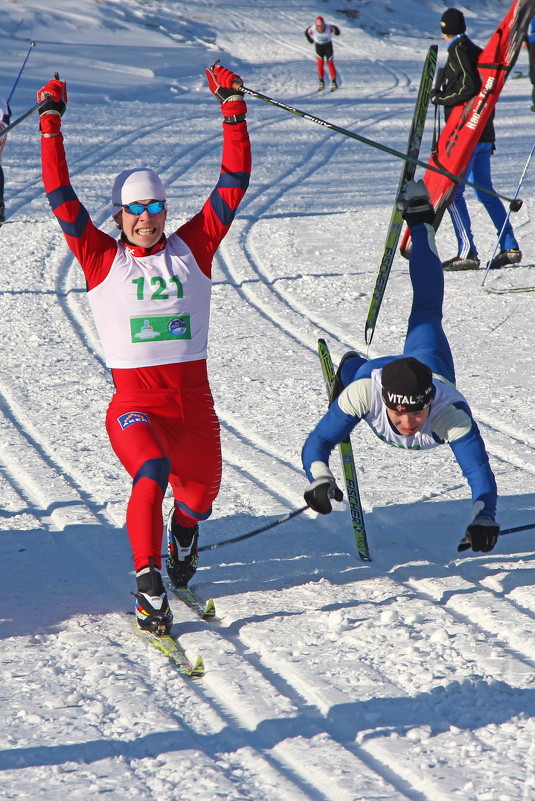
(516,528)
(22,118)
(32,44)
(524,171)
(465,542)
(514,203)
(283,519)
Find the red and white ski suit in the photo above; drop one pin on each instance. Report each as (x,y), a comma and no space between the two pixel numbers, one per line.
(151,308)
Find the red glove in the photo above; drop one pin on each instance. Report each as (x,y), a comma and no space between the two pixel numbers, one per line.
(55,92)
(225,85)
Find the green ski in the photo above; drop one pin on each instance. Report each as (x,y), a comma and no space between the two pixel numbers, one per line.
(171,648)
(205,610)
(407,174)
(348,463)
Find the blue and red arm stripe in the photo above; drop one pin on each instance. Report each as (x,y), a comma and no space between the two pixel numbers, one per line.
(76,224)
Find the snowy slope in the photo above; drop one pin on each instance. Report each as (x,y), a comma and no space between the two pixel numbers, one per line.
(407,679)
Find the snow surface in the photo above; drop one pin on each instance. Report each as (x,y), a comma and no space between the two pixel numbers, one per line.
(410,678)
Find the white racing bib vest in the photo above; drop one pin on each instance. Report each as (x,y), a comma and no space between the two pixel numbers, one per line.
(153,310)
(320,37)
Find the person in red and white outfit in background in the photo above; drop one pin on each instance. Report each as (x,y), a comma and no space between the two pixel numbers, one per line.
(150,298)
(320,34)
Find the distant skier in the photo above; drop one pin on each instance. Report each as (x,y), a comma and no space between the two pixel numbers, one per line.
(409,401)
(461,82)
(150,298)
(5,118)
(320,34)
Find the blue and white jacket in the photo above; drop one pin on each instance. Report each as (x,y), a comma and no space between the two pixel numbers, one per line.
(449,422)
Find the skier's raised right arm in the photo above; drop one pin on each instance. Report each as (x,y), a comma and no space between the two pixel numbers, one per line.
(94,249)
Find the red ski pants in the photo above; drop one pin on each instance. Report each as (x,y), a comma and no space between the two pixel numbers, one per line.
(165,437)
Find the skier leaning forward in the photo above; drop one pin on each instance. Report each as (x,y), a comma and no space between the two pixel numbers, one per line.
(150,298)
(409,401)
(320,35)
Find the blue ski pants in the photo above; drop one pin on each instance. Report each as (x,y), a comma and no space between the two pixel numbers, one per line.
(425,339)
(478,172)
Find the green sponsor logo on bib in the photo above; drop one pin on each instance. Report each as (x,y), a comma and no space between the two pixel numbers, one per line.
(160,327)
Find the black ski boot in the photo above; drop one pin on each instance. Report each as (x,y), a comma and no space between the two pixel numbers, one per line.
(506,258)
(458,263)
(182,549)
(338,386)
(152,607)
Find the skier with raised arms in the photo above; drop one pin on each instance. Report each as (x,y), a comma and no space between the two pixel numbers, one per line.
(150,298)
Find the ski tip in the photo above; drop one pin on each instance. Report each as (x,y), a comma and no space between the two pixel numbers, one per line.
(209,609)
(198,670)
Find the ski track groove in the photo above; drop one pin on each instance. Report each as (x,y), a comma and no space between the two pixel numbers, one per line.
(304,724)
(508,623)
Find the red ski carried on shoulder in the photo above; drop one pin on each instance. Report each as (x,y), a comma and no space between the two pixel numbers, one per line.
(466,122)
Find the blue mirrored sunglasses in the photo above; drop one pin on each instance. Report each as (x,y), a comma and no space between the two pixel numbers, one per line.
(153,207)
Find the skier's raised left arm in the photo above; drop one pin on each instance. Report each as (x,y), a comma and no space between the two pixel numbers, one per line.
(204,232)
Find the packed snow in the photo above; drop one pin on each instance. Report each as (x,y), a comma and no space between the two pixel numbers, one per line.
(410,678)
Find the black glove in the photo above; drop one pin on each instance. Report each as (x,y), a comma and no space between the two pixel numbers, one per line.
(319,493)
(55,92)
(55,95)
(481,535)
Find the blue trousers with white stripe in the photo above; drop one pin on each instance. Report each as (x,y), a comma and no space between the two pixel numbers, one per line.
(478,172)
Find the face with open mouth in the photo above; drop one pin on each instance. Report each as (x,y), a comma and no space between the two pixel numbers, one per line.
(141,226)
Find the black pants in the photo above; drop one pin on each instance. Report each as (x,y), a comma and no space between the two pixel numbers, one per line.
(325,51)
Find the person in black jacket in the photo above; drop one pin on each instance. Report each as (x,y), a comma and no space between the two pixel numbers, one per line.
(461,82)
